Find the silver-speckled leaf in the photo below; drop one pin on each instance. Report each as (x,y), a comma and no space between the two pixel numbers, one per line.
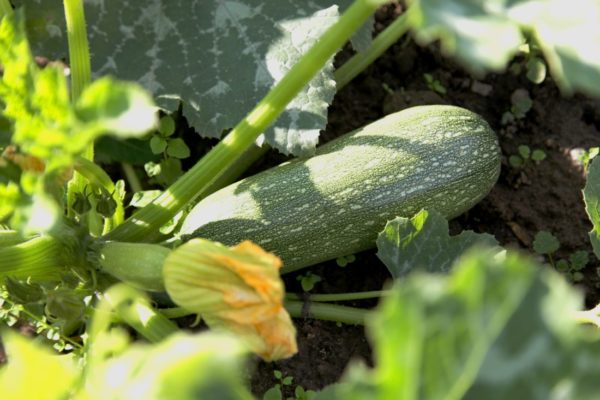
(219,56)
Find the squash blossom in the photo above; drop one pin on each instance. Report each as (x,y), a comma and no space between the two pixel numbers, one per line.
(233,288)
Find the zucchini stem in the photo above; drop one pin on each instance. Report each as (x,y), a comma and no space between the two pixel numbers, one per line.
(299,309)
(40,258)
(360,61)
(232,147)
(375,294)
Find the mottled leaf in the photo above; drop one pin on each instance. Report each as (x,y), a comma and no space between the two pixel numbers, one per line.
(219,57)
(423,242)
(591,196)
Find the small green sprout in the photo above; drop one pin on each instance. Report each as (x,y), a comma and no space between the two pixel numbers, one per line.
(161,142)
(547,244)
(275,393)
(587,156)
(308,281)
(345,260)
(525,155)
(434,84)
(521,103)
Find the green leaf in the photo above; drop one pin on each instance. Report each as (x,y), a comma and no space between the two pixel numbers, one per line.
(524,151)
(423,242)
(538,155)
(166,125)
(37,102)
(485,34)
(183,367)
(473,31)
(566,37)
(545,243)
(273,393)
(219,57)
(33,372)
(497,327)
(133,151)
(536,70)
(122,109)
(579,259)
(591,197)
(178,149)
(515,161)
(158,144)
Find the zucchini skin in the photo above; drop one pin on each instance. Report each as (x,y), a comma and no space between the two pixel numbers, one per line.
(310,210)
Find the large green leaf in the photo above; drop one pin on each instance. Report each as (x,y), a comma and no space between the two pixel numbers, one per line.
(45,123)
(485,34)
(423,242)
(219,57)
(591,196)
(497,327)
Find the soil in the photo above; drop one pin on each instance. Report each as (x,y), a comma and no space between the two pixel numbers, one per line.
(544,196)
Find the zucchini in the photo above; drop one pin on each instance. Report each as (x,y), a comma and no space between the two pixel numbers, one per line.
(334,204)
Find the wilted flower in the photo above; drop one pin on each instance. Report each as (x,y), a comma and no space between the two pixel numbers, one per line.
(235,288)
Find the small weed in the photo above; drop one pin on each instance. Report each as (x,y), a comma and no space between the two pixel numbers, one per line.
(587,156)
(433,84)
(345,260)
(308,281)
(525,155)
(521,103)
(547,244)
(276,392)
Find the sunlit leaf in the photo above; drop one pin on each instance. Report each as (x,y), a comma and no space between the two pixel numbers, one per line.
(33,372)
(219,57)
(423,242)
(591,196)
(497,327)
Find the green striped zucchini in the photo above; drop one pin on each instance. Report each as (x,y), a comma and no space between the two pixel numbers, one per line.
(334,204)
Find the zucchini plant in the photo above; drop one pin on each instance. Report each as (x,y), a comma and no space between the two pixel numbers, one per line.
(68,240)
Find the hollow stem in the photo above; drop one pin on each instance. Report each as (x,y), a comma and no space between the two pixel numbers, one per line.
(380,44)
(40,258)
(79,52)
(132,178)
(298,309)
(206,171)
(375,294)
(10,238)
(326,312)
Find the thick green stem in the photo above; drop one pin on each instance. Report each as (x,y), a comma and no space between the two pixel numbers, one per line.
(131,306)
(138,264)
(5,8)
(206,171)
(340,296)
(381,43)
(327,312)
(10,238)
(41,258)
(79,52)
